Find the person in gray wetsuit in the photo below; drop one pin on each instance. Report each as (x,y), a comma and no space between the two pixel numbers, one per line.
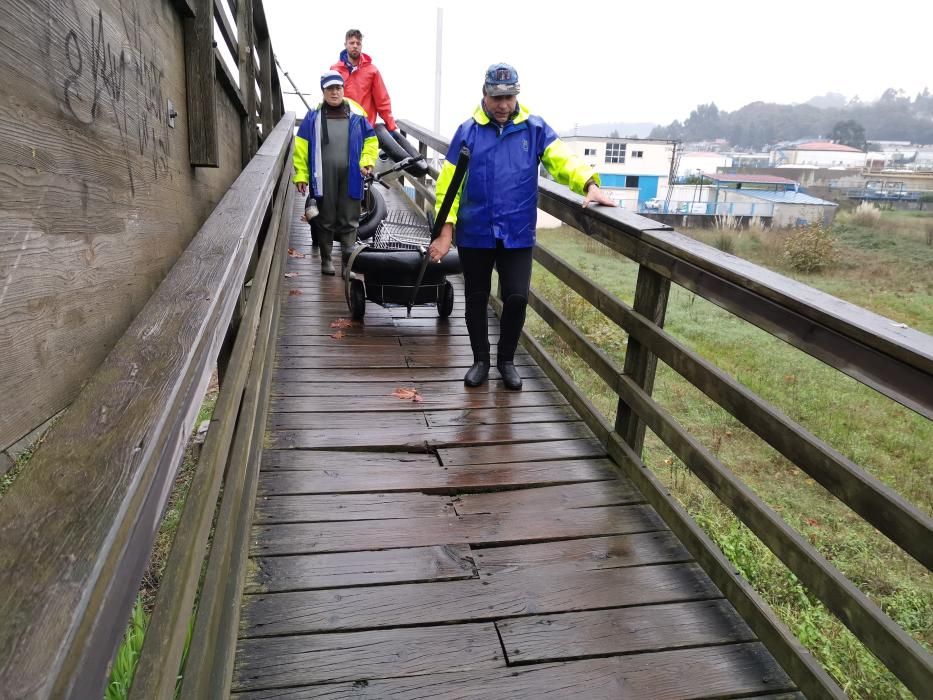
(334,148)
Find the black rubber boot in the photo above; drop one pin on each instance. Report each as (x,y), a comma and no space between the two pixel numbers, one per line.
(478,373)
(509,375)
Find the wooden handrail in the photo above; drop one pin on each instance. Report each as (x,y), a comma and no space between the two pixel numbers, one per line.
(896,361)
(77,529)
(159,659)
(880,505)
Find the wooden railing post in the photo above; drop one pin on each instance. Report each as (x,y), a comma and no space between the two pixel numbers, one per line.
(245,30)
(266,69)
(651,292)
(199,76)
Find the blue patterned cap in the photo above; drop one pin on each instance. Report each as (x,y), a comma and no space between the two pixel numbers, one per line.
(502,79)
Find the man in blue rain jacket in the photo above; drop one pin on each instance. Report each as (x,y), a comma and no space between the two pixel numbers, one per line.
(495,211)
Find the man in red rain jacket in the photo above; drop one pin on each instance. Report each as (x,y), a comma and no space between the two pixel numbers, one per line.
(362,80)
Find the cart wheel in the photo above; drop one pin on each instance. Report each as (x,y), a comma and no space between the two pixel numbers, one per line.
(357,299)
(446,304)
(372,212)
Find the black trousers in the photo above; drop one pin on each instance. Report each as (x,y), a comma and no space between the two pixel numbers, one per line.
(514,268)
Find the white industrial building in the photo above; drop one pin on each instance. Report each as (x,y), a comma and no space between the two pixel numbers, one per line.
(818,154)
(694,163)
(633,171)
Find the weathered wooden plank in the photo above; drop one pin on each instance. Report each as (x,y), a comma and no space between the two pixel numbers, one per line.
(522,452)
(549,499)
(361,422)
(404,438)
(307,572)
(638,549)
(734,670)
(316,324)
(483,528)
(335,359)
(343,342)
(301,476)
(449,401)
(438,340)
(427,340)
(334,507)
(295,330)
(463,360)
(427,389)
(366,461)
(360,656)
(621,631)
(559,589)
(494,416)
(391,376)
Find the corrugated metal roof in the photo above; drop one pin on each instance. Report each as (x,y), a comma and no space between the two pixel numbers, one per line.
(823,146)
(788,197)
(757,179)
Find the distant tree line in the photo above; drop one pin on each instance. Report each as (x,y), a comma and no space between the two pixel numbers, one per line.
(893,117)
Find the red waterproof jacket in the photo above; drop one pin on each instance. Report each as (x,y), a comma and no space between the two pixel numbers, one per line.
(364,85)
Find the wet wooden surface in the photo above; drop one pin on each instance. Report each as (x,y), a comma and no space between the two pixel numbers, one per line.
(455,542)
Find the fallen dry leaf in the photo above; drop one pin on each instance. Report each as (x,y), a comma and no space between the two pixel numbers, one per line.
(294,292)
(338,335)
(408,394)
(292,253)
(342,323)
(291,274)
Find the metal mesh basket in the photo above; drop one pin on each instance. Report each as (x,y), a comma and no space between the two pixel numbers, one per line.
(402,230)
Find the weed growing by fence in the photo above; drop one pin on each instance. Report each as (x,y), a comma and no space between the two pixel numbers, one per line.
(124,664)
(810,249)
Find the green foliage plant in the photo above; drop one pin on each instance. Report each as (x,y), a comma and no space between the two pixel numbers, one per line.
(124,664)
(810,249)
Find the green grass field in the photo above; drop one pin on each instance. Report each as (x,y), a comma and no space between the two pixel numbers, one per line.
(885,267)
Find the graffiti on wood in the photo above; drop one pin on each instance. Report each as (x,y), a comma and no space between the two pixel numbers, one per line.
(115,76)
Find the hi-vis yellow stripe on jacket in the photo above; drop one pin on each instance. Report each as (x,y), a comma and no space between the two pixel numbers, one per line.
(363,150)
(498,198)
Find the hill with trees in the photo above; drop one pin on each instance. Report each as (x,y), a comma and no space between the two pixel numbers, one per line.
(895,116)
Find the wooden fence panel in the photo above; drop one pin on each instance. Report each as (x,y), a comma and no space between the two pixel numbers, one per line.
(99,198)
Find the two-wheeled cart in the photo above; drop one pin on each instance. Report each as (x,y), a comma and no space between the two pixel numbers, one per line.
(395,262)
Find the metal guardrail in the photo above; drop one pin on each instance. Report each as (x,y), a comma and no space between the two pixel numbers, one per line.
(895,361)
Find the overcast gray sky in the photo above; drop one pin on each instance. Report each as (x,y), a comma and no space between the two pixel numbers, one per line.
(616,61)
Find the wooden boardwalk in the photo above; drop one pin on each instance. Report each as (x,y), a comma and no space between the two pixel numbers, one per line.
(473,543)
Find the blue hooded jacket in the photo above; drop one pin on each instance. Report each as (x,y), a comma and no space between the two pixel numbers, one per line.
(498,199)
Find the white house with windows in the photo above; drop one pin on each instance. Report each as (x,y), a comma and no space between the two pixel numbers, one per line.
(633,171)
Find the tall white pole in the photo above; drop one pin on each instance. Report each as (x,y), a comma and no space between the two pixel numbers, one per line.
(437,71)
